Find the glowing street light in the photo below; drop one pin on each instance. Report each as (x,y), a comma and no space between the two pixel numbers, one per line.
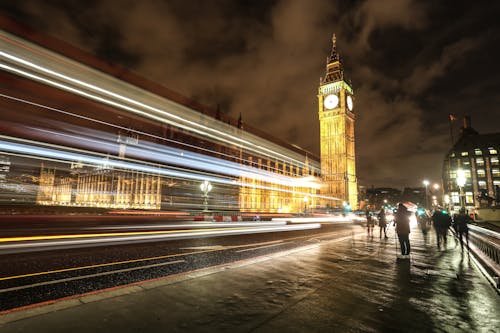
(205,187)
(436,187)
(447,201)
(426,184)
(461,183)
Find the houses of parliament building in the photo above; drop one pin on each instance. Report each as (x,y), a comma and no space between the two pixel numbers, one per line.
(85,133)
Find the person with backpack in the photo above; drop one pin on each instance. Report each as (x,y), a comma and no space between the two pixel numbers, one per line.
(382,223)
(460,223)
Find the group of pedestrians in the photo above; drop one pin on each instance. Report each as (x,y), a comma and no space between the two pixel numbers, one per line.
(382,223)
(402,223)
(440,220)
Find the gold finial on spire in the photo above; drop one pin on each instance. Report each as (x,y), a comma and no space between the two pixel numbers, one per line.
(334,41)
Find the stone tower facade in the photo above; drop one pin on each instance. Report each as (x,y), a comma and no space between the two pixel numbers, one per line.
(336,117)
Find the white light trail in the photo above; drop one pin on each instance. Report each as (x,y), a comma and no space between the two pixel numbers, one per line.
(166,117)
(18,247)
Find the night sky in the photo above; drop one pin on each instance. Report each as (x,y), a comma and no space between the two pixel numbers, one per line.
(411,63)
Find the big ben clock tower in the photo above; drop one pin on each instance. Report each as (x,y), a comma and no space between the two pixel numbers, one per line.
(336,118)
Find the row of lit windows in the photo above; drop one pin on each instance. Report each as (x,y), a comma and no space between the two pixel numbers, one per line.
(484,185)
(469,197)
(494,161)
(477,151)
(480,172)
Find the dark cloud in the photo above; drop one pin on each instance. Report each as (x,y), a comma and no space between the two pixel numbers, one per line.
(412,63)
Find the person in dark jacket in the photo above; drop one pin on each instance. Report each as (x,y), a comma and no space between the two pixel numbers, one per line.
(441,221)
(460,224)
(369,222)
(402,221)
(382,223)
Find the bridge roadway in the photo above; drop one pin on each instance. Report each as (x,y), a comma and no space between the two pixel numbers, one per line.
(352,284)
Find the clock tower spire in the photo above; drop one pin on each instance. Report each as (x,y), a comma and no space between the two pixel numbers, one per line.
(336,117)
(334,68)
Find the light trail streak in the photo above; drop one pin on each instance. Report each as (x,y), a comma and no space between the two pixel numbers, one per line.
(92,160)
(315,219)
(170,155)
(125,129)
(38,243)
(215,248)
(177,120)
(193,225)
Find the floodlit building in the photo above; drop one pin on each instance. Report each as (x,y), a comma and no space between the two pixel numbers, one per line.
(336,118)
(471,169)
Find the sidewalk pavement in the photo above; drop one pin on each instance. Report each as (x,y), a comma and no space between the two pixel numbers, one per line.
(353,284)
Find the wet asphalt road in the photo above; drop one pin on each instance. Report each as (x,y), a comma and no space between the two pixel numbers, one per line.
(37,277)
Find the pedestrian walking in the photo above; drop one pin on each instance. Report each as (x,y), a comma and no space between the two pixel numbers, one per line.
(402,221)
(382,223)
(369,222)
(423,220)
(441,221)
(460,224)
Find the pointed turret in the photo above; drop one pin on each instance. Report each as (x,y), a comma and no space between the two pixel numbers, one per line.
(240,122)
(334,56)
(334,70)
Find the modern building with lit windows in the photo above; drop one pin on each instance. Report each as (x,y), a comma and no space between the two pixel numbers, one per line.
(471,169)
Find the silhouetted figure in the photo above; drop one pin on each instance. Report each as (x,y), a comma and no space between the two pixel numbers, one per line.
(441,221)
(382,223)
(460,223)
(402,221)
(423,221)
(369,222)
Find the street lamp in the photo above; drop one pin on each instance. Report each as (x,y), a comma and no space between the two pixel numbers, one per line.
(447,201)
(205,188)
(436,187)
(306,199)
(461,183)
(426,184)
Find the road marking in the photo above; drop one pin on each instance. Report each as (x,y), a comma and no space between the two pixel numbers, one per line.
(101,265)
(81,277)
(213,247)
(262,247)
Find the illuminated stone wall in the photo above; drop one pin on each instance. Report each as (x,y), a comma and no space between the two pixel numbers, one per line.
(100,188)
(337,138)
(258,195)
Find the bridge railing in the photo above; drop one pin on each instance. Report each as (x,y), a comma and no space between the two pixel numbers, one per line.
(485,245)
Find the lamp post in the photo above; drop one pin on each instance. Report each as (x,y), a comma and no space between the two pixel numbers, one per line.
(461,183)
(436,187)
(447,201)
(306,199)
(205,187)
(426,184)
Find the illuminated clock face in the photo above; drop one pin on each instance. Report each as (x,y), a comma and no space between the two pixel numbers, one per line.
(349,103)
(331,101)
